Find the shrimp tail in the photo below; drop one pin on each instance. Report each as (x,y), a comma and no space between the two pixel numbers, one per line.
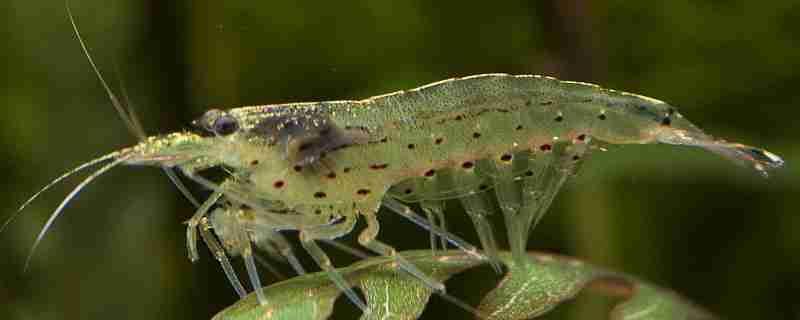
(748,156)
(760,159)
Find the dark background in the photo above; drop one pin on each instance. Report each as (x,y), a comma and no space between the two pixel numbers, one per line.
(681,218)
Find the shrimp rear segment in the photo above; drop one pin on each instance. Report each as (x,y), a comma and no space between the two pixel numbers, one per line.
(686,134)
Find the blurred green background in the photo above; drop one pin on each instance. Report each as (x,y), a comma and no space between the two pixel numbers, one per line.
(682,218)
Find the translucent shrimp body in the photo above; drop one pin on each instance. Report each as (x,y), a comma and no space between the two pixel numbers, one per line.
(520,136)
(317,167)
(320,153)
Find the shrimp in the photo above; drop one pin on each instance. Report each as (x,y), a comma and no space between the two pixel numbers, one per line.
(521,136)
(318,167)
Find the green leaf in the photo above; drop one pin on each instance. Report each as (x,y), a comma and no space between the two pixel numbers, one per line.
(533,289)
(525,292)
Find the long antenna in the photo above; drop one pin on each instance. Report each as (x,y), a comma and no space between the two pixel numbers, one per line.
(126,114)
(114,101)
(66,201)
(54,182)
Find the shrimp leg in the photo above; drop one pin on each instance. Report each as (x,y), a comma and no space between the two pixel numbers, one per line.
(219,254)
(330,232)
(276,245)
(367,238)
(409,214)
(434,210)
(252,272)
(194,221)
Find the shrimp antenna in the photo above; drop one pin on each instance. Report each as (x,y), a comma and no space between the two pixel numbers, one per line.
(69,198)
(126,114)
(54,182)
(114,101)
(131,110)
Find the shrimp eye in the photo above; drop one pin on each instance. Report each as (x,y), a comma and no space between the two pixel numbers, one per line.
(225,125)
(216,122)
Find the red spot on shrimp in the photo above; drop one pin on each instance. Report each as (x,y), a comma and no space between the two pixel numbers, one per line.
(378,166)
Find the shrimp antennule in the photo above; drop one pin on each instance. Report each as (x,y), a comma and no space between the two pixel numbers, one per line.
(56,181)
(69,198)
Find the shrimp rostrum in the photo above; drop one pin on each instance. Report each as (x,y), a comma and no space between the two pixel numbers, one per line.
(317,167)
